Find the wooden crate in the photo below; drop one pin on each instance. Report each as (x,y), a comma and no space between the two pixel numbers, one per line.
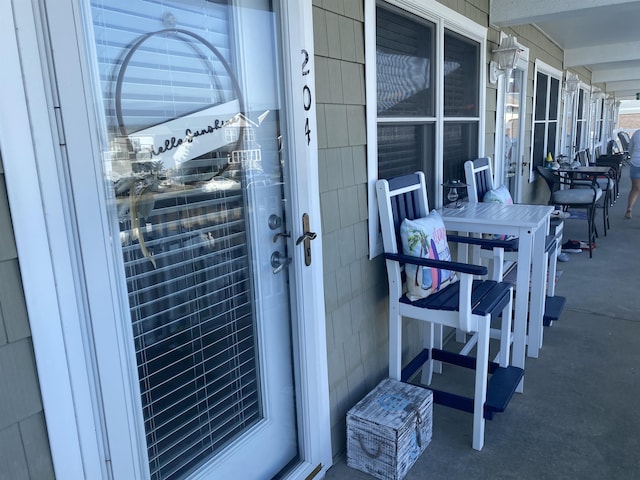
(389,429)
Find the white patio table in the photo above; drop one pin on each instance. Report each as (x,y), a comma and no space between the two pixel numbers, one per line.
(531,224)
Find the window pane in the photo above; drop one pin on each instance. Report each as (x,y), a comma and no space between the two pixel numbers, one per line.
(460,144)
(551,138)
(579,136)
(554,98)
(580,104)
(539,152)
(461,63)
(404,59)
(404,149)
(541,96)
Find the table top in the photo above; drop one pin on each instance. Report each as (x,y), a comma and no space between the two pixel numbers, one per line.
(496,214)
(582,169)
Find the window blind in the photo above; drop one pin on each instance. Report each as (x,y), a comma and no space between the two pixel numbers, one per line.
(461,73)
(184,247)
(404,51)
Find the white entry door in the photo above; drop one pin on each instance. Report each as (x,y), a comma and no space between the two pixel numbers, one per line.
(194,164)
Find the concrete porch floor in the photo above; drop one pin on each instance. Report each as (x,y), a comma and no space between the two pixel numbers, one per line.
(579,415)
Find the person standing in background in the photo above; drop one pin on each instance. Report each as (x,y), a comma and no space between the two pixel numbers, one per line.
(634,171)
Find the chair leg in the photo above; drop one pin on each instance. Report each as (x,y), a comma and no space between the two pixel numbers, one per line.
(429,342)
(497,264)
(591,227)
(481,379)
(609,205)
(553,261)
(395,344)
(605,211)
(438,340)
(505,335)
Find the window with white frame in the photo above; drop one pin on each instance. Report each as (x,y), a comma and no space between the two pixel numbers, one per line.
(582,116)
(424,76)
(609,120)
(546,113)
(599,121)
(574,118)
(596,120)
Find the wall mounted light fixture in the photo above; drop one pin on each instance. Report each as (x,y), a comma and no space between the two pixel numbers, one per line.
(505,57)
(596,94)
(571,83)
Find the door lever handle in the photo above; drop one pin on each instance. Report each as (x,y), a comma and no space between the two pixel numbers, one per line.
(278,235)
(279,261)
(306,236)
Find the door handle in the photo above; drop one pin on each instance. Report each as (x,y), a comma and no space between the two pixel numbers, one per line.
(306,237)
(278,235)
(279,262)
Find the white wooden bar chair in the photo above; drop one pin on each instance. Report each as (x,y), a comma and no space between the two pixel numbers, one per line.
(452,298)
(481,187)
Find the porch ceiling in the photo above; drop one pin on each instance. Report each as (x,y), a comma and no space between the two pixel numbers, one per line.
(601,35)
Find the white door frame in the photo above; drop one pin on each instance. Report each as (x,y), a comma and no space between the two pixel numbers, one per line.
(56,296)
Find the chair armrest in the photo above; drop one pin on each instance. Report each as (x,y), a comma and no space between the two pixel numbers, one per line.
(609,162)
(614,169)
(586,183)
(443,264)
(484,242)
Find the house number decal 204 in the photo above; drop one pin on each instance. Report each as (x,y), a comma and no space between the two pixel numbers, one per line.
(306,95)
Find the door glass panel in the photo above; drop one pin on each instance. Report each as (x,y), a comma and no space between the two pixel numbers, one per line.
(193,153)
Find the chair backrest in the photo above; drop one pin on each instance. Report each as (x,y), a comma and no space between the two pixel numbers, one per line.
(624,140)
(582,158)
(478,177)
(612,147)
(550,177)
(399,198)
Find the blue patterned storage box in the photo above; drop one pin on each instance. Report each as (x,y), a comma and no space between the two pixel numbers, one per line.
(389,429)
